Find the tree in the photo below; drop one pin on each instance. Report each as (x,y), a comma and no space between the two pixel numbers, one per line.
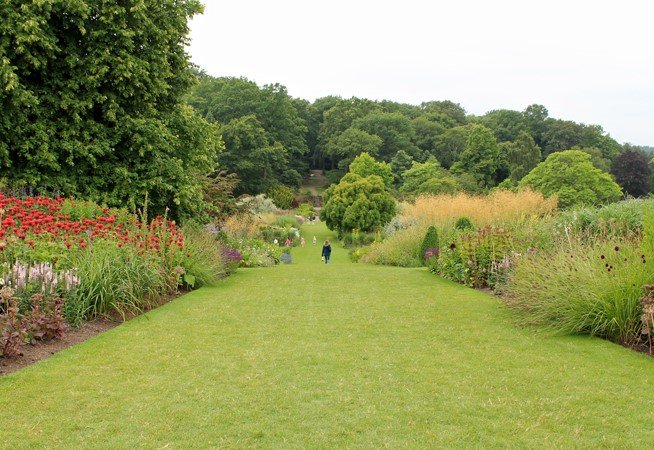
(505,123)
(91,97)
(395,131)
(357,202)
(401,161)
(572,177)
(258,162)
(428,178)
(631,170)
(365,165)
(535,117)
(446,108)
(522,155)
(339,118)
(480,157)
(426,134)
(450,145)
(227,98)
(350,144)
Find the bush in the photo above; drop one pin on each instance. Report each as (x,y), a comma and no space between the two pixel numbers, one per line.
(430,242)
(358,239)
(463,224)
(282,196)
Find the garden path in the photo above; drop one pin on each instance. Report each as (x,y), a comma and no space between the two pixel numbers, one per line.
(330,356)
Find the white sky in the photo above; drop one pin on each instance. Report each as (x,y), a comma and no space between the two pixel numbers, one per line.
(587,61)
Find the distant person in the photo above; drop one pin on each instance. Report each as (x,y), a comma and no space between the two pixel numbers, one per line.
(315,240)
(288,242)
(302,241)
(326,251)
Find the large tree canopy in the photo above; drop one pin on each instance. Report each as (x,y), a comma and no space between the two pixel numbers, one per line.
(572,177)
(632,172)
(91,101)
(225,99)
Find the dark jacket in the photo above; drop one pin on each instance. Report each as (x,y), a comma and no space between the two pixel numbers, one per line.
(326,250)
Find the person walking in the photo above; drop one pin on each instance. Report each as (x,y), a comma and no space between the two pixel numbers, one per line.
(315,240)
(326,251)
(302,241)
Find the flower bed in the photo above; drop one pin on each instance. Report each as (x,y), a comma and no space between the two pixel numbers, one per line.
(65,261)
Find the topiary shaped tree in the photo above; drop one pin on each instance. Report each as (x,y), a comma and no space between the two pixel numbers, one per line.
(429,243)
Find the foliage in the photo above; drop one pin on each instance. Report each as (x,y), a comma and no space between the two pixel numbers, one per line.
(521,156)
(259,121)
(617,220)
(428,178)
(259,162)
(394,129)
(258,204)
(607,277)
(282,196)
(365,165)
(357,203)
(463,223)
(632,172)
(400,249)
(358,239)
(350,144)
(570,175)
(258,253)
(480,156)
(106,261)
(92,108)
(430,241)
(305,210)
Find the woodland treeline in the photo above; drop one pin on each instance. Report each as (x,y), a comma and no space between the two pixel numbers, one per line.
(100,101)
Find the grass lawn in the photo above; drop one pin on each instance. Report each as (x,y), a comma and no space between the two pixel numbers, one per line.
(330,356)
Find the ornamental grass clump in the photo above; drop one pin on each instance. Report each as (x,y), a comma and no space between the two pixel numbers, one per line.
(582,288)
(401,249)
(498,208)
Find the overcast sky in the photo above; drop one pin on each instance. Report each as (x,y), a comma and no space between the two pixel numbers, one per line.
(587,61)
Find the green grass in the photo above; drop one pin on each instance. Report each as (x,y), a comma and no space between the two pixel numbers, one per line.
(331,356)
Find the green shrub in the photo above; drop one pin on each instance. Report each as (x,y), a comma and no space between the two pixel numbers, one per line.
(463,223)
(430,241)
(282,196)
(358,239)
(305,210)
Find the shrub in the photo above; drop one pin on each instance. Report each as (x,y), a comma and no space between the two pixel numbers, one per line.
(358,239)
(286,258)
(430,241)
(282,196)
(463,224)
